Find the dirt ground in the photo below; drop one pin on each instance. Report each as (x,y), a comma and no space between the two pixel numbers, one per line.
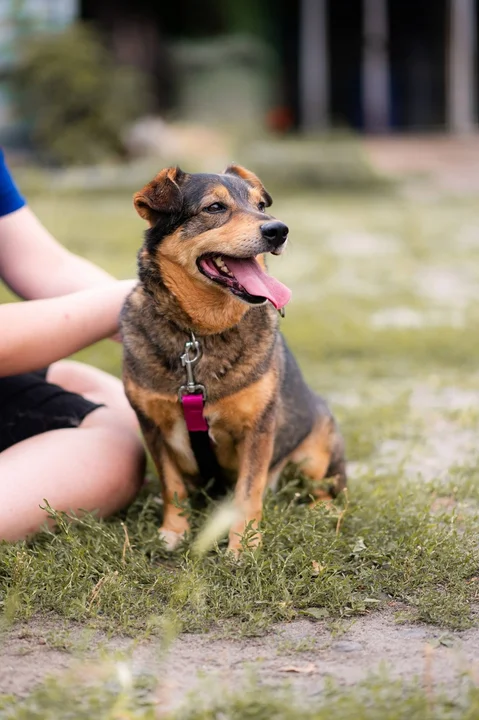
(305,653)
(444,162)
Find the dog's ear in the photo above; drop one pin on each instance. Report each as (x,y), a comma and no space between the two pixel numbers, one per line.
(251,179)
(161,196)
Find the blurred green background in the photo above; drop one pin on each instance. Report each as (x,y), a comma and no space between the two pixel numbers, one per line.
(380,305)
(358,116)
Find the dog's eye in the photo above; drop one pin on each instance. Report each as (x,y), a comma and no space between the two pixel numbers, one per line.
(261,206)
(215,208)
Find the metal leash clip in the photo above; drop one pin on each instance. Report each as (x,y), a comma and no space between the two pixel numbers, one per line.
(188,360)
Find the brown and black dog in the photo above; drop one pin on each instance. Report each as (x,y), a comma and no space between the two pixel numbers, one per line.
(202,270)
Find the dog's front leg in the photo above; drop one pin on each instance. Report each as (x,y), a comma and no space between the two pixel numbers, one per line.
(255,453)
(174,490)
(175,524)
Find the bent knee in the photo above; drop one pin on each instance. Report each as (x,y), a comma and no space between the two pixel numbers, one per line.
(123,452)
(108,417)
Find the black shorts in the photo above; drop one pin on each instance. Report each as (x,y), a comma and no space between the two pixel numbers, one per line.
(29,405)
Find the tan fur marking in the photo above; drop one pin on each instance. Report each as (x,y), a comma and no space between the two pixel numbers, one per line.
(173,487)
(219,193)
(252,180)
(241,411)
(161,409)
(255,196)
(314,454)
(211,309)
(246,175)
(255,458)
(225,446)
(179,441)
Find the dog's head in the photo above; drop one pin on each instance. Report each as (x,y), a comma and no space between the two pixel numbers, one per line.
(210,232)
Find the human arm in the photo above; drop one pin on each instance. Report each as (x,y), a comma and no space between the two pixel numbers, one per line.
(37,333)
(34,265)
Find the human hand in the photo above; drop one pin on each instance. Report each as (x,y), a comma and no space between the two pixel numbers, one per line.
(129,286)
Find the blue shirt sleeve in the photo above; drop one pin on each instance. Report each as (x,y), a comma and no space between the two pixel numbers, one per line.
(10,198)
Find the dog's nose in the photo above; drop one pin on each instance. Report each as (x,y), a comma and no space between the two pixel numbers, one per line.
(275,232)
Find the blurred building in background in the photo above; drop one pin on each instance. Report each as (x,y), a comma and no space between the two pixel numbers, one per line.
(19,21)
(371,65)
(381,65)
(368,65)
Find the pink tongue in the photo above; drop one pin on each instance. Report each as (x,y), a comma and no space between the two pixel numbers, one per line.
(255,281)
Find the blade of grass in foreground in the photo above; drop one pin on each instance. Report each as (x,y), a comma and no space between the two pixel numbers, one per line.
(111,692)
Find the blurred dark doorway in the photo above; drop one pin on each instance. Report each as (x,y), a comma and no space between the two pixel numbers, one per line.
(414,58)
(417,52)
(344,22)
(417,46)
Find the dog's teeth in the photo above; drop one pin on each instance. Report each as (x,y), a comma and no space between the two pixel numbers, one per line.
(220,264)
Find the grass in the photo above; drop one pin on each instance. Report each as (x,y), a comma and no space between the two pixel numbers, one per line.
(115,694)
(384,321)
(393,544)
(390,548)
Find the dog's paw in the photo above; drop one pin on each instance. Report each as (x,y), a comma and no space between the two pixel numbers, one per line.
(234,553)
(236,547)
(172,539)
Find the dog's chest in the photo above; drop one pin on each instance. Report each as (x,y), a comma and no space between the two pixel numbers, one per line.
(221,438)
(227,361)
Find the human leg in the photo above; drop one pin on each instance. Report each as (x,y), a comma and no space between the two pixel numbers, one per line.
(59,446)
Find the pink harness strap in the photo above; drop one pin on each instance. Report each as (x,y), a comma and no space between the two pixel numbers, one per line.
(192,397)
(193,411)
